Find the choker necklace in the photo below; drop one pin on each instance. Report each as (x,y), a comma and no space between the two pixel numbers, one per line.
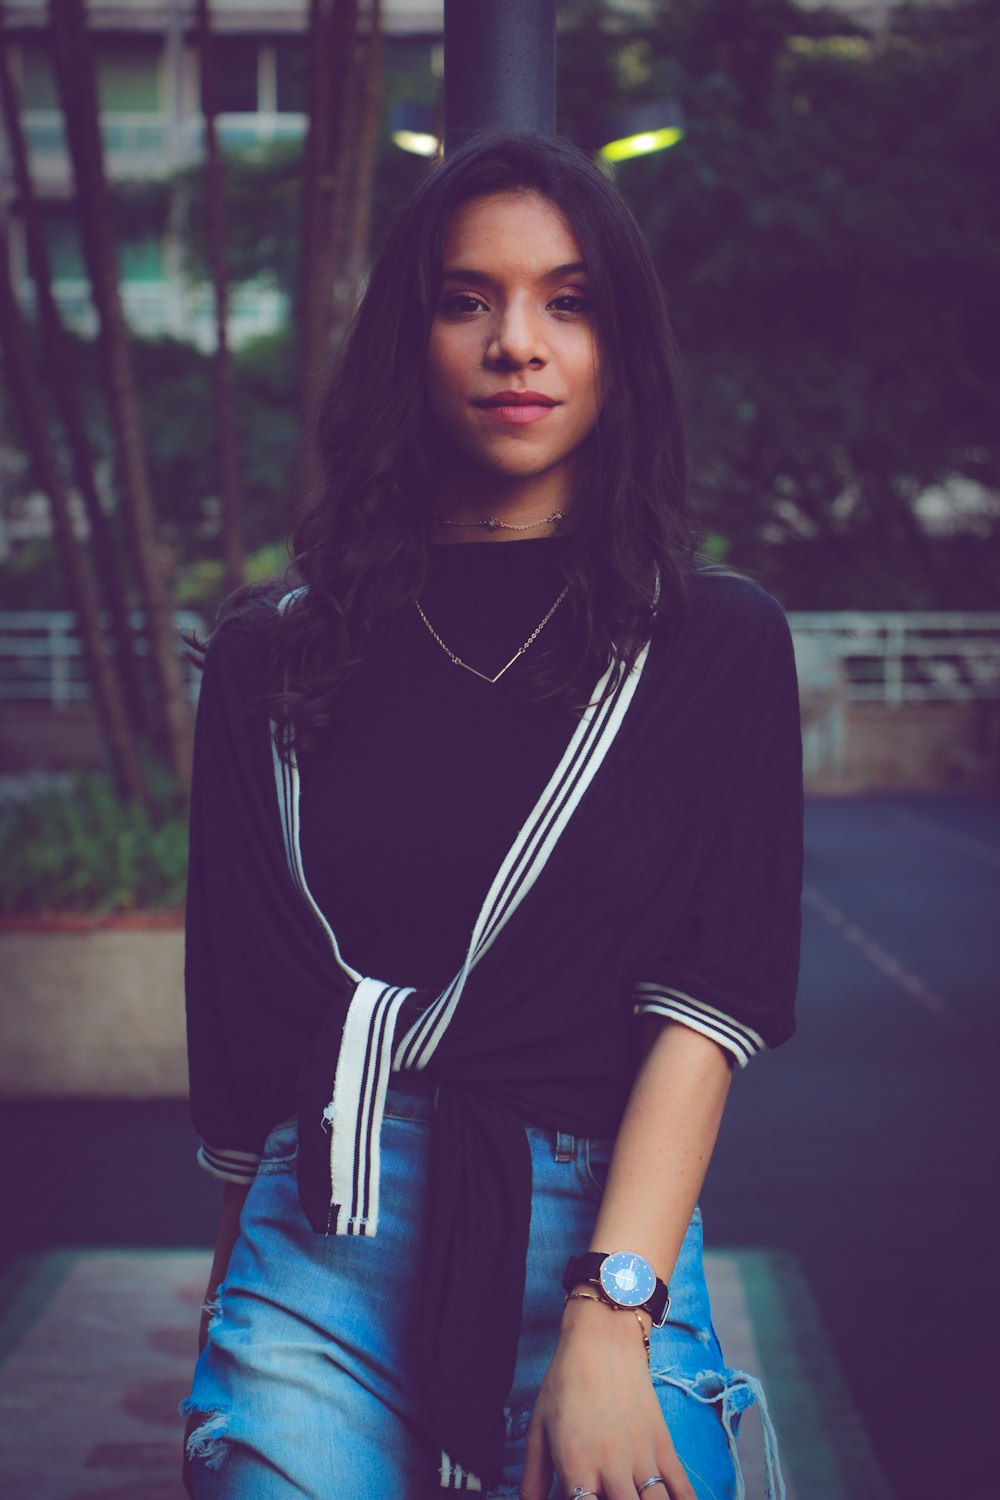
(493,524)
(519,652)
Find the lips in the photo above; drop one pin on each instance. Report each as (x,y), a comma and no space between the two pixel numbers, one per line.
(517,407)
(516,398)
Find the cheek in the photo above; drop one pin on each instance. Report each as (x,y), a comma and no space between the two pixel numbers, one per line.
(447,369)
(589,376)
(433,366)
(591,387)
(440,379)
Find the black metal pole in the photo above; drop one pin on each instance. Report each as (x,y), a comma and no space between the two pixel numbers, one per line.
(499,67)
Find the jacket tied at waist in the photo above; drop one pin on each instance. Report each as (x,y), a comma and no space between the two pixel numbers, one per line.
(474,1254)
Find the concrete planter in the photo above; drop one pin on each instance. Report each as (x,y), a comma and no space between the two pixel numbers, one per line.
(93,1007)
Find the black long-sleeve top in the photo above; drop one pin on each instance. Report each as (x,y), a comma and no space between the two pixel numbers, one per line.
(463,882)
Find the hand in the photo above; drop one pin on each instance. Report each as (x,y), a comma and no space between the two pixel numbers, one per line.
(187,1476)
(207,1313)
(195,1418)
(597,1422)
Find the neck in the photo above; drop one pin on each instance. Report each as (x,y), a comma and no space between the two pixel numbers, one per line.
(475,499)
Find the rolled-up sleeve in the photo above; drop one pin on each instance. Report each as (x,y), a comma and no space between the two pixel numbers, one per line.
(730,967)
(231,1135)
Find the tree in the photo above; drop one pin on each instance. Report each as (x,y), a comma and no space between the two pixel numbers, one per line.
(828,235)
(363,180)
(75,75)
(333,70)
(54,354)
(24,383)
(225,395)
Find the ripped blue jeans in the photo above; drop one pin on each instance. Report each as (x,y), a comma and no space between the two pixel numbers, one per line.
(306,1386)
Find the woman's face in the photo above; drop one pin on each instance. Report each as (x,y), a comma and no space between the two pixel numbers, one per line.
(513,318)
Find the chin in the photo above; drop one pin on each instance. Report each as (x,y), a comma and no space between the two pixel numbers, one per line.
(520,465)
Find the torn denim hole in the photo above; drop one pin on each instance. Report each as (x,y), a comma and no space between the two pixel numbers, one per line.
(206,1442)
(738,1391)
(516,1423)
(214,1308)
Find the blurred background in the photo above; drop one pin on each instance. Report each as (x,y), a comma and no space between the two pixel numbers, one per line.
(190,194)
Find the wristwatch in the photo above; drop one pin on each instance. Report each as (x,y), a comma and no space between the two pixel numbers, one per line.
(624,1278)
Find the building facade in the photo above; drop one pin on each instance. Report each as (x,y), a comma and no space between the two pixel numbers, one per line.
(148,86)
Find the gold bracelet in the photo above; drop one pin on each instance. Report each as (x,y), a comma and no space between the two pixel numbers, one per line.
(614,1306)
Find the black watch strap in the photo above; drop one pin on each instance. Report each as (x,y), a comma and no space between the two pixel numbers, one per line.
(587,1267)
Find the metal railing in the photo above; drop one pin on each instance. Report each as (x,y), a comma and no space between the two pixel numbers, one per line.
(41,657)
(887,658)
(902,657)
(144,143)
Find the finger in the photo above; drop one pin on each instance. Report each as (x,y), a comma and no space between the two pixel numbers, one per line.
(645,1472)
(536,1480)
(621,1489)
(676,1482)
(187,1468)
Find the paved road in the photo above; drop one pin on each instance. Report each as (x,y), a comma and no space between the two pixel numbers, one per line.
(868,1148)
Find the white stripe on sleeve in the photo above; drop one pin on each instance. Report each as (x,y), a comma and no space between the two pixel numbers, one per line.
(651,999)
(228,1165)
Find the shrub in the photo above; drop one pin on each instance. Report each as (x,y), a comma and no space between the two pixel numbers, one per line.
(82,849)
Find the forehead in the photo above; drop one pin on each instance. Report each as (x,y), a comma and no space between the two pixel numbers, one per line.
(519,232)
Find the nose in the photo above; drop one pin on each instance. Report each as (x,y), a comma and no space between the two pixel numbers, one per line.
(516,338)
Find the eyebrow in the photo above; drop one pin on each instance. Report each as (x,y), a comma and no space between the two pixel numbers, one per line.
(557,273)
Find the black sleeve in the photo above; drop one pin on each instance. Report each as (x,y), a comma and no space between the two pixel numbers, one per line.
(260,974)
(231,1133)
(731,967)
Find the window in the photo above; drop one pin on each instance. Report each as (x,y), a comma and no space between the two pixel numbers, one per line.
(38,81)
(128,75)
(236,74)
(141,260)
(62,239)
(290,75)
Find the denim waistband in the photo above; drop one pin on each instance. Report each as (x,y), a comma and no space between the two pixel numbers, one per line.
(404,1103)
(418,1104)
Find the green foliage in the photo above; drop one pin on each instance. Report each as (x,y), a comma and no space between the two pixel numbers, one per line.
(828,233)
(199,583)
(30,577)
(175,395)
(267,562)
(201,586)
(261,195)
(828,236)
(83,850)
(268,427)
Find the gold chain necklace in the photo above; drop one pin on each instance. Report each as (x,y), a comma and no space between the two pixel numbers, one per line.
(493,524)
(519,652)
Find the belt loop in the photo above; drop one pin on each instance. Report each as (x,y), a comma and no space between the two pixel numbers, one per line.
(565,1146)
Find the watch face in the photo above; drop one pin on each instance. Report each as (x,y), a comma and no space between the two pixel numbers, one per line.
(627,1278)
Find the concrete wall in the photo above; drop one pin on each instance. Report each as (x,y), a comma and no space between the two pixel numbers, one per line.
(914,747)
(38,737)
(97,1009)
(96,1014)
(865,746)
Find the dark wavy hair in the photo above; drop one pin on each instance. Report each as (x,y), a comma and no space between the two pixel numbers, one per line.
(361,548)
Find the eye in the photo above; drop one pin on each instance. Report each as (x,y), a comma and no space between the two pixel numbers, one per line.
(571,302)
(459,302)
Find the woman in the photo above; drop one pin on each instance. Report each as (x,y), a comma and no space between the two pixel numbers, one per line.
(495,875)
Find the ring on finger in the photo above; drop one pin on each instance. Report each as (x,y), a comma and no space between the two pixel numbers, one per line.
(580,1493)
(648,1483)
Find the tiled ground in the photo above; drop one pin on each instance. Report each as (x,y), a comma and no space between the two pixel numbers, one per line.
(97,1348)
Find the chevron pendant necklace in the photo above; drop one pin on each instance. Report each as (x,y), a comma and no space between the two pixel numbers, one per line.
(518,653)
